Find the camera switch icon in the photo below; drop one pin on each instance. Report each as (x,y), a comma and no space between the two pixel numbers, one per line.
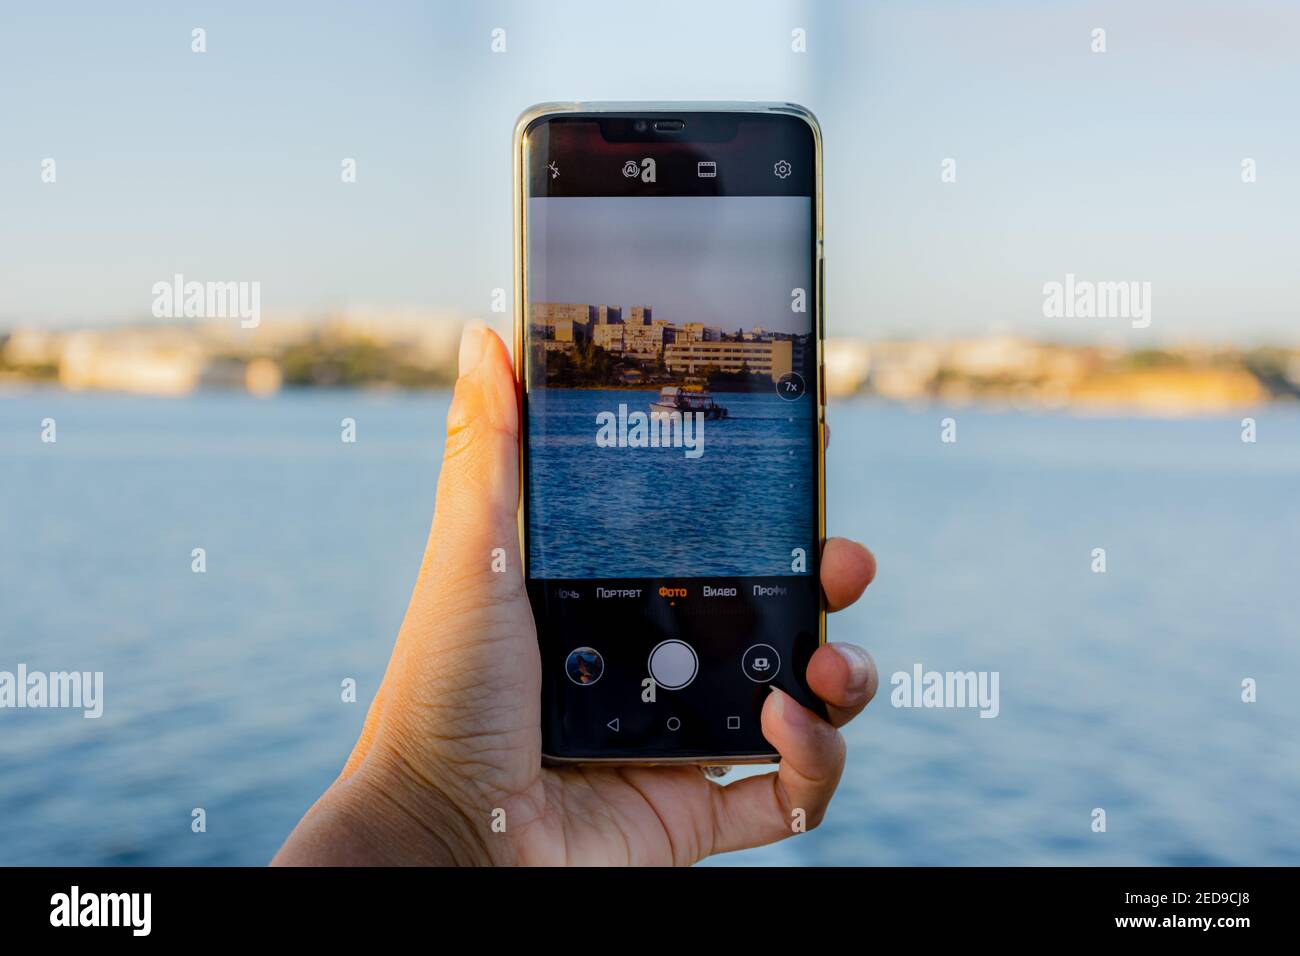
(761,663)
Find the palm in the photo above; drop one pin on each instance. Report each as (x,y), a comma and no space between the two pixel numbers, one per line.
(654,816)
(586,815)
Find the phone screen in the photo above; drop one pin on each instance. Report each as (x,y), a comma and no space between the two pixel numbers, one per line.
(672,468)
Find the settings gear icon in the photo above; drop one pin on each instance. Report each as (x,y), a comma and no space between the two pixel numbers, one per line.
(782,169)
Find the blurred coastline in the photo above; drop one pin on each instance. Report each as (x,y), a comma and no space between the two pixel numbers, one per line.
(406,349)
(415,349)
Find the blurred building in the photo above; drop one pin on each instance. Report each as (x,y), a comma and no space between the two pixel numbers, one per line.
(848,362)
(175,359)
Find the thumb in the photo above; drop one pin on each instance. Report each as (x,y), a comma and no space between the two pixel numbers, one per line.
(475,515)
(475,526)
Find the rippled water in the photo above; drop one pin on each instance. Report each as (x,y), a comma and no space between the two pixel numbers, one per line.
(1119,691)
(739,508)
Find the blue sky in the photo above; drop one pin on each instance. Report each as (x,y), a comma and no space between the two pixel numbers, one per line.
(225,165)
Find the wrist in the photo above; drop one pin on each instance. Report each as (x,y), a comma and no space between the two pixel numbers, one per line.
(383,814)
(419,820)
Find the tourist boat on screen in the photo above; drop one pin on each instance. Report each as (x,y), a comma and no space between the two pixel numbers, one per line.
(688,398)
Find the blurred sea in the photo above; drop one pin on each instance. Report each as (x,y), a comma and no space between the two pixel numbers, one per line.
(1119,690)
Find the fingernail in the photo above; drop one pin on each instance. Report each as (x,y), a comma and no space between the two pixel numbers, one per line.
(473,343)
(778,700)
(859,665)
(794,715)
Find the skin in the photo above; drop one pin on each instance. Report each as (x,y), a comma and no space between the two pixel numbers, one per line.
(454,734)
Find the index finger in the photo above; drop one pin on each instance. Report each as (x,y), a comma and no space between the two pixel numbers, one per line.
(847,569)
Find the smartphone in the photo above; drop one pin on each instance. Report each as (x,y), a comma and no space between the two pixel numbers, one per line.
(668,343)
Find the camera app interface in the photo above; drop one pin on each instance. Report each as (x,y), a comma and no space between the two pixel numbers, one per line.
(672,470)
(669,430)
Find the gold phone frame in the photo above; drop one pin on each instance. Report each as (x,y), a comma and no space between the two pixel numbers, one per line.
(521,179)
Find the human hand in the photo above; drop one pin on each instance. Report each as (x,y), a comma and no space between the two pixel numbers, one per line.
(453,738)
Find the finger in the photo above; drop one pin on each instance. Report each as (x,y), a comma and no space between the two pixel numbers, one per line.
(760,810)
(844,677)
(474,514)
(478,485)
(847,569)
